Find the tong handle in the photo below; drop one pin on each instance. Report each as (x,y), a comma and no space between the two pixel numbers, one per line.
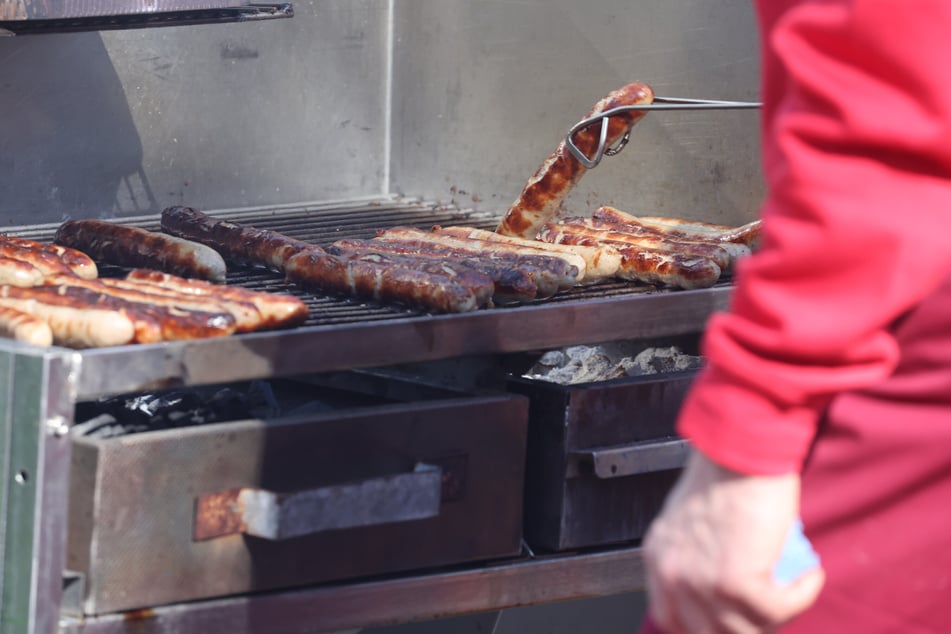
(660,103)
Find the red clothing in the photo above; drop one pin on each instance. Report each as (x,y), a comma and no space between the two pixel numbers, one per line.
(835,357)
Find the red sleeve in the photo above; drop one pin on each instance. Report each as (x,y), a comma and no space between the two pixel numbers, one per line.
(857,223)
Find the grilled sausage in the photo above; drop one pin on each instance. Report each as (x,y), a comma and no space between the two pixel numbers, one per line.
(567,273)
(236,242)
(73,321)
(432,286)
(134,247)
(600,262)
(632,224)
(644,265)
(607,232)
(45,262)
(156,317)
(276,310)
(19,273)
(77,261)
(245,314)
(748,234)
(16,324)
(511,285)
(545,191)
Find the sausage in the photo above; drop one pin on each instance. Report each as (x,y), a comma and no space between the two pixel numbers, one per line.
(610,233)
(22,326)
(542,196)
(156,318)
(644,265)
(567,273)
(134,247)
(632,224)
(245,314)
(277,310)
(432,286)
(45,262)
(19,273)
(600,262)
(511,285)
(77,261)
(73,321)
(748,234)
(238,243)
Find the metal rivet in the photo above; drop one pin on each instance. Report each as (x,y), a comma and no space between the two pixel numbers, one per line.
(57,426)
(21,477)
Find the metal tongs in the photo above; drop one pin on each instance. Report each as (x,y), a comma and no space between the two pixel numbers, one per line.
(660,103)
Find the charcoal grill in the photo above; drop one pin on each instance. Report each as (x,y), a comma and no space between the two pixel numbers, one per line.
(385,114)
(344,333)
(340,334)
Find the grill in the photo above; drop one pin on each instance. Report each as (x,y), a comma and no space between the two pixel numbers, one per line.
(342,333)
(349,118)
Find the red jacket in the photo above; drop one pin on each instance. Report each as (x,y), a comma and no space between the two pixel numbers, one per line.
(857,228)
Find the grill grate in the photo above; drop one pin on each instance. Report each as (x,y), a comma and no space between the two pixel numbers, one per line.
(322,225)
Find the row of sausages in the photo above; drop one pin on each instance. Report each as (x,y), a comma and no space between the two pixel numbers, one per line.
(52,294)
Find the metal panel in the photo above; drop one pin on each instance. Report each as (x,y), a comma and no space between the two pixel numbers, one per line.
(34,456)
(51,9)
(142,514)
(483,92)
(215,116)
(332,609)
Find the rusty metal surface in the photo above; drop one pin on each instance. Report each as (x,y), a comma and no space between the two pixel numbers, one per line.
(385,601)
(218,514)
(135,511)
(373,502)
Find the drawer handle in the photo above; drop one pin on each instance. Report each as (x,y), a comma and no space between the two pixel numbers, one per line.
(627,460)
(276,516)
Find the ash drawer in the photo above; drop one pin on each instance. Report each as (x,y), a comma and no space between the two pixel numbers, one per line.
(601,457)
(230,508)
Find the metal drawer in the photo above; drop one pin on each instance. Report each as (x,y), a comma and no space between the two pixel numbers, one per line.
(177,515)
(601,457)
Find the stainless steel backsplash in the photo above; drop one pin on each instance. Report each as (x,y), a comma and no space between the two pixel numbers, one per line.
(443,99)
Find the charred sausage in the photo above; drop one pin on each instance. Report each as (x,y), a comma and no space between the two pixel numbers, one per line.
(415,282)
(236,242)
(644,265)
(77,261)
(600,262)
(276,310)
(545,191)
(511,285)
(73,321)
(134,247)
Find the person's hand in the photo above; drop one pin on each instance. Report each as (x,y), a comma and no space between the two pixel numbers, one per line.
(710,553)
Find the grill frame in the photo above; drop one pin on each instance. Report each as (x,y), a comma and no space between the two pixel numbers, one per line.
(343,333)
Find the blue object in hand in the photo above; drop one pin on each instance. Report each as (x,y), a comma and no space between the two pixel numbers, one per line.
(796,558)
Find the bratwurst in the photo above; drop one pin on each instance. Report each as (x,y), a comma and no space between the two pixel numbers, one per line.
(545,191)
(138,248)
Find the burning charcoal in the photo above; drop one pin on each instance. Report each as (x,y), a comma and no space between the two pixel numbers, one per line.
(661,360)
(553,359)
(227,404)
(262,402)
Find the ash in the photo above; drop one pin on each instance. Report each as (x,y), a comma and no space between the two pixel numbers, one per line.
(589,364)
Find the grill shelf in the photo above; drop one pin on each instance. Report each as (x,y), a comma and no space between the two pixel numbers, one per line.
(344,333)
(164,13)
